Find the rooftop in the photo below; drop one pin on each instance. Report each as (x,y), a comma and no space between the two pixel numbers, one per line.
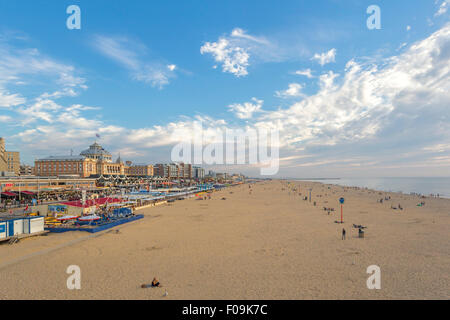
(59,158)
(95,149)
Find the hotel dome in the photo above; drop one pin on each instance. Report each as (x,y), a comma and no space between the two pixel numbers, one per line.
(97,152)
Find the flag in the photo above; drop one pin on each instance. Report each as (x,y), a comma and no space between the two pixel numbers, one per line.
(97,135)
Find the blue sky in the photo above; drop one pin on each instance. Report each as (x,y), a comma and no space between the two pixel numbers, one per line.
(347,100)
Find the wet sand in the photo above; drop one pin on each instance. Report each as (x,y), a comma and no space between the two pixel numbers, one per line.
(270,244)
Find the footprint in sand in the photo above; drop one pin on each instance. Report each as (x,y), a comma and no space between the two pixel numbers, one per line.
(198,217)
(152,248)
(415,221)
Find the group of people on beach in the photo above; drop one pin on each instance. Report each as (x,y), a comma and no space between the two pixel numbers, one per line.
(399,207)
(387,198)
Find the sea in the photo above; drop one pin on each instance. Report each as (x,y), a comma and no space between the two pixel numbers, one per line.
(423,185)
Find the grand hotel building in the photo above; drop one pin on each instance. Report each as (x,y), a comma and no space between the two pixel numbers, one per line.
(95,161)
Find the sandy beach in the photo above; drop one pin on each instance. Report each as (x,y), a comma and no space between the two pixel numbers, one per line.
(265,244)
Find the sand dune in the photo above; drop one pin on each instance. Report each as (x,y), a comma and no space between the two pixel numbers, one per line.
(269,244)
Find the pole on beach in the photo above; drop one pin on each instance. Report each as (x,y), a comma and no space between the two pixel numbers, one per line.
(341,200)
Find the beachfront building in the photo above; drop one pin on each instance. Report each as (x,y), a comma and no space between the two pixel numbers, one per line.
(199,173)
(92,162)
(160,170)
(53,166)
(9,160)
(167,170)
(3,161)
(13,159)
(211,174)
(139,170)
(185,171)
(109,168)
(26,170)
(174,170)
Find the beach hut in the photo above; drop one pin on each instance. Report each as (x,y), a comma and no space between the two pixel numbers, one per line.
(17,227)
(33,225)
(11,227)
(3,230)
(20,227)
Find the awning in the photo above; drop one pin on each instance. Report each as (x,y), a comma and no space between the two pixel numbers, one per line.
(91,202)
(28,193)
(10,194)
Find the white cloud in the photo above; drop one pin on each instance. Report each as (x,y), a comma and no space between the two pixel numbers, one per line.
(443,8)
(375,109)
(438,148)
(155,75)
(294,90)
(30,67)
(5,118)
(327,80)
(239,33)
(10,100)
(402,45)
(238,50)
(234,59)
(408,28)
(118,49)
(130,54)
(235,50)
(247,109)
(326,57)
(307,73)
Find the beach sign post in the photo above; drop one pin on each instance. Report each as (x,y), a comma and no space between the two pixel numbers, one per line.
(341,200)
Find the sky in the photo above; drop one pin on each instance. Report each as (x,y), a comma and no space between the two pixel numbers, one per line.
(139,76)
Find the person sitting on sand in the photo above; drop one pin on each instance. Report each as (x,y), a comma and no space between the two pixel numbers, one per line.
(155,283)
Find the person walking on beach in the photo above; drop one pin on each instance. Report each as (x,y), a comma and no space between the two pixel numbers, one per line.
(343,234)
